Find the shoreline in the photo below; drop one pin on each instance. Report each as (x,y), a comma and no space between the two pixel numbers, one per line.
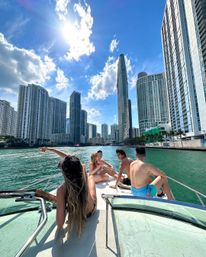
(201,149)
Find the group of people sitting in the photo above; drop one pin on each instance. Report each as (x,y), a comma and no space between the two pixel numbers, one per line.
(138,174)
(76,197)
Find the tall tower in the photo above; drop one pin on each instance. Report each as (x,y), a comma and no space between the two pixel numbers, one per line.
(114,133)
(75,112)
(152,101)
(8,118)
(33,114)
(122,92)
(184,45)
(130,117)
(59,109)
(83,126)
(105,131)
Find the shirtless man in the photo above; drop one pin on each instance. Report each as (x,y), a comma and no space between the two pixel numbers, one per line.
(124,166)
(140,173)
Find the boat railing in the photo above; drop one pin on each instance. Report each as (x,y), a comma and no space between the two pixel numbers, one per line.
(28,196)
(41,224)
(198,194)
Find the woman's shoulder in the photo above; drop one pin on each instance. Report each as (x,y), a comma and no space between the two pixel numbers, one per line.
(61,189)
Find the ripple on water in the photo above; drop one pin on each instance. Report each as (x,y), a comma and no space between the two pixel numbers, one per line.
(20,167)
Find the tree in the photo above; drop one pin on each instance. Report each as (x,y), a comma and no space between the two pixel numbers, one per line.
(180,133)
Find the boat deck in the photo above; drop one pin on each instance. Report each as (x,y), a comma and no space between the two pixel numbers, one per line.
(140,234)
(18,227)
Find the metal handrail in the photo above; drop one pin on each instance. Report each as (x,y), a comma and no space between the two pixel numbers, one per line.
(197,193)
(39,227)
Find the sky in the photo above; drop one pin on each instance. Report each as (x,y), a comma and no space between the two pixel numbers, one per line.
(66,45)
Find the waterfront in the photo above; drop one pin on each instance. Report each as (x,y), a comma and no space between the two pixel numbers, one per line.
(20,167)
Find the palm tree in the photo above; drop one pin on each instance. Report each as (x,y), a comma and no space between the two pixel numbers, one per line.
(180,133)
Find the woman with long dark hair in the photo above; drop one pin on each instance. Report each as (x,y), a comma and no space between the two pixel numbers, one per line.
(76,197)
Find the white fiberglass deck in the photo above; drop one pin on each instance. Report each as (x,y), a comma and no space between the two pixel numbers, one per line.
(139,235)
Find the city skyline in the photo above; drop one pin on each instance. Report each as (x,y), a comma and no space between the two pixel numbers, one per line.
(35,36)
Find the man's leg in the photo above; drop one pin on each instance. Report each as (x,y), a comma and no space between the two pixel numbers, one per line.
(101,178)
(162,182)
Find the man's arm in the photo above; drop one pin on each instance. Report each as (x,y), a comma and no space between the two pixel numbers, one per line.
(60,153)
(154,171)
(121,169)
(106,163)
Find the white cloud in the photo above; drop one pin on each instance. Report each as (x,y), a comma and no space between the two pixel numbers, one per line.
(22,66)
(113,45)
(78,33)
(104,83)
(132,80)
(61,79)
(93,114)
(61,9)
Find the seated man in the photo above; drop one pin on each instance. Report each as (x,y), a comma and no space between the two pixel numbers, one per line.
(140,173)
(124,166)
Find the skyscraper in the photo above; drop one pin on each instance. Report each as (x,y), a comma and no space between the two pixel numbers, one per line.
(152,101)
(33,115)
(122,92)
(58,109)
(68,126)
(8,119)
(130,118)
(75,111)
(184,45)
(114,133)
(105,131)
(83,126)
(91,130)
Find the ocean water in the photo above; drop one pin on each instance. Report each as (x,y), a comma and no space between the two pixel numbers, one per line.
(23,168)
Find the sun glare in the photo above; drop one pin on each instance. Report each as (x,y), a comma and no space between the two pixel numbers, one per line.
(69,32)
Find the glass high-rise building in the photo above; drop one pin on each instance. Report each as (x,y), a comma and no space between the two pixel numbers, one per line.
(58,109)
(115,133)
(33,114)
(122,93)
(91,130)
(184,46)
(130,117)
(8,119)
(75,113)
(68,126)
(152,101)
(105,131)
(83,124)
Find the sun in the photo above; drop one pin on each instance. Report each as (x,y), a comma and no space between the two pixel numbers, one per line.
(69,32)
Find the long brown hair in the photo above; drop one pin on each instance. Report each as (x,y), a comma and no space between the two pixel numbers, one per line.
(76,193)
(93,159)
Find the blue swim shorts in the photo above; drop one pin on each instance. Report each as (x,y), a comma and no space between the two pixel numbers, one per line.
(149,190)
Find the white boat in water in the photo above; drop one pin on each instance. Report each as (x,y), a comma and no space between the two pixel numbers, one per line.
(123,225)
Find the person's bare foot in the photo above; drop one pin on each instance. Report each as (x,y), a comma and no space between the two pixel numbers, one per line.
(44,149)
(113,186)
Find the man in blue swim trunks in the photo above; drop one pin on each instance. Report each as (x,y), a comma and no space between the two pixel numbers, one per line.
(140,173)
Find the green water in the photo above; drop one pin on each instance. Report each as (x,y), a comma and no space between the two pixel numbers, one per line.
(21,167)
